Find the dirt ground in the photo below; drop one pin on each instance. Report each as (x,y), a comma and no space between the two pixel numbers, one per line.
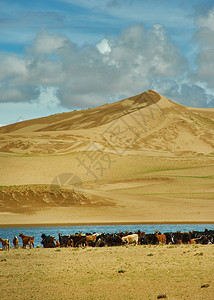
(126,272)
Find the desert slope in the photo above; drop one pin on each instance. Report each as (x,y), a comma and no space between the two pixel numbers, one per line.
(141,159)
(147,121)
(80,119)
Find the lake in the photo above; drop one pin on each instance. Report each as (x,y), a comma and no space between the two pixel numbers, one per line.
(9,232)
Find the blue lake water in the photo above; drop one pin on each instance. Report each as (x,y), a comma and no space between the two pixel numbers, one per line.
(9,232)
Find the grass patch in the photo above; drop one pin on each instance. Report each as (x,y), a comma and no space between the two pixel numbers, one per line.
(199,254)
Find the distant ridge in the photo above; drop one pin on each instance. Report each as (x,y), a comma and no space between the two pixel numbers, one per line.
(149,120)
(72,120)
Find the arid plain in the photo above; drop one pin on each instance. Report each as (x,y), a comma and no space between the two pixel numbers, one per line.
(142,159)
(132,272)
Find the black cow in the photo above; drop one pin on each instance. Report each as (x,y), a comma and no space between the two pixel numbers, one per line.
(78,240)
(65,240)
(48,241)
(168,237)
(186,238)
(149,239)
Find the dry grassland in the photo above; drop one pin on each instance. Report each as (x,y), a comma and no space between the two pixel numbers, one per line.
(141,272)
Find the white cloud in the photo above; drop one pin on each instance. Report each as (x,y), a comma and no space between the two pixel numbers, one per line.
(12,65)
(88,75)
(48,97)
(207,20)
(104,47)
(189,94)
(125,65)
(205,39)
(56,70)
(47,44)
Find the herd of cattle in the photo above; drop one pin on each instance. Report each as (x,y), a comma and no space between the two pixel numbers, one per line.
(114,239)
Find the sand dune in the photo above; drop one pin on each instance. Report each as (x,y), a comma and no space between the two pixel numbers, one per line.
(147,121)
(144,158)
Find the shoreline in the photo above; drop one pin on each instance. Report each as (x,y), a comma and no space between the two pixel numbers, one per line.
(104,223)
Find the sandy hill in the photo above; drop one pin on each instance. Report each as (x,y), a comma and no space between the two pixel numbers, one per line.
(141,159)
(147,121)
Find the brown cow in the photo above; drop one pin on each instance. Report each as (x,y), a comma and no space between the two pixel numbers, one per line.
(57,244)
(161,238)
(90,238)
(27,240)
(5,243)
(16,242)
(192,241)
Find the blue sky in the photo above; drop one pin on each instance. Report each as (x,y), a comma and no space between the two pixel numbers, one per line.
(60,55)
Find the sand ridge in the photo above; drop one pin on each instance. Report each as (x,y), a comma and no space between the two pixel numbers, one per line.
(140,159)
(148,121)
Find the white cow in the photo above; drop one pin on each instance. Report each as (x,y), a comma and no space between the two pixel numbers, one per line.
(130,239)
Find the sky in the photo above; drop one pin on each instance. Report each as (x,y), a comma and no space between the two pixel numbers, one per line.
(61,55)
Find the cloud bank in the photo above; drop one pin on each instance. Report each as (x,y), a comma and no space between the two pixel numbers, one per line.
(135,60)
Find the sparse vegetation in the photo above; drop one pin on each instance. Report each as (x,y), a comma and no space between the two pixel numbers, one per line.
(108,273)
